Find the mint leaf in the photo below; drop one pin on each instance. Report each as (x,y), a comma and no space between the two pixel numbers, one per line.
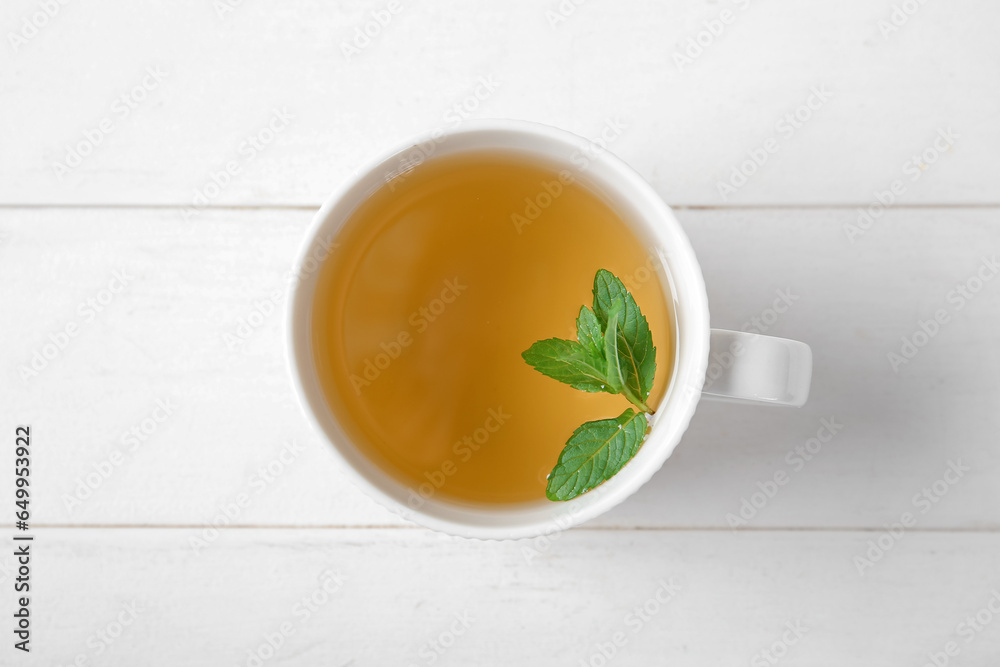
(568,361)
(636,353)
(588,332)
(594,453)
(614,371)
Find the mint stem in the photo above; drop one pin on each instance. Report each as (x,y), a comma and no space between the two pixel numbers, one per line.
(636,402)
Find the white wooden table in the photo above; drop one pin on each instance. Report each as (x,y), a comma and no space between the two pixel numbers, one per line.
(120,220)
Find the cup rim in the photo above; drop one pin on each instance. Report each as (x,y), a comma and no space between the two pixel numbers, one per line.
(674,413)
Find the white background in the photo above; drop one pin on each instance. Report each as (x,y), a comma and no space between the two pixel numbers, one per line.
(195,273)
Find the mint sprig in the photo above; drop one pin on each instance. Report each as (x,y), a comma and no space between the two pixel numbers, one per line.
(613,353)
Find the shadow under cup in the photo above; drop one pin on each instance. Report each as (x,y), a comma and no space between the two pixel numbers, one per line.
(652,223)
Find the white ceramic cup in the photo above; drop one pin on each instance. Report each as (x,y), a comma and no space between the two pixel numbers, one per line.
(724,365)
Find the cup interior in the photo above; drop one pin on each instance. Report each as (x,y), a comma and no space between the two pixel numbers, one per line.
(651,221)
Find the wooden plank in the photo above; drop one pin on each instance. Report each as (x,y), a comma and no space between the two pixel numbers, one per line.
(190,283)
(686,125)
(410,597)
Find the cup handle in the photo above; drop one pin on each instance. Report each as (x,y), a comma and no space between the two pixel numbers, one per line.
(750,368)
